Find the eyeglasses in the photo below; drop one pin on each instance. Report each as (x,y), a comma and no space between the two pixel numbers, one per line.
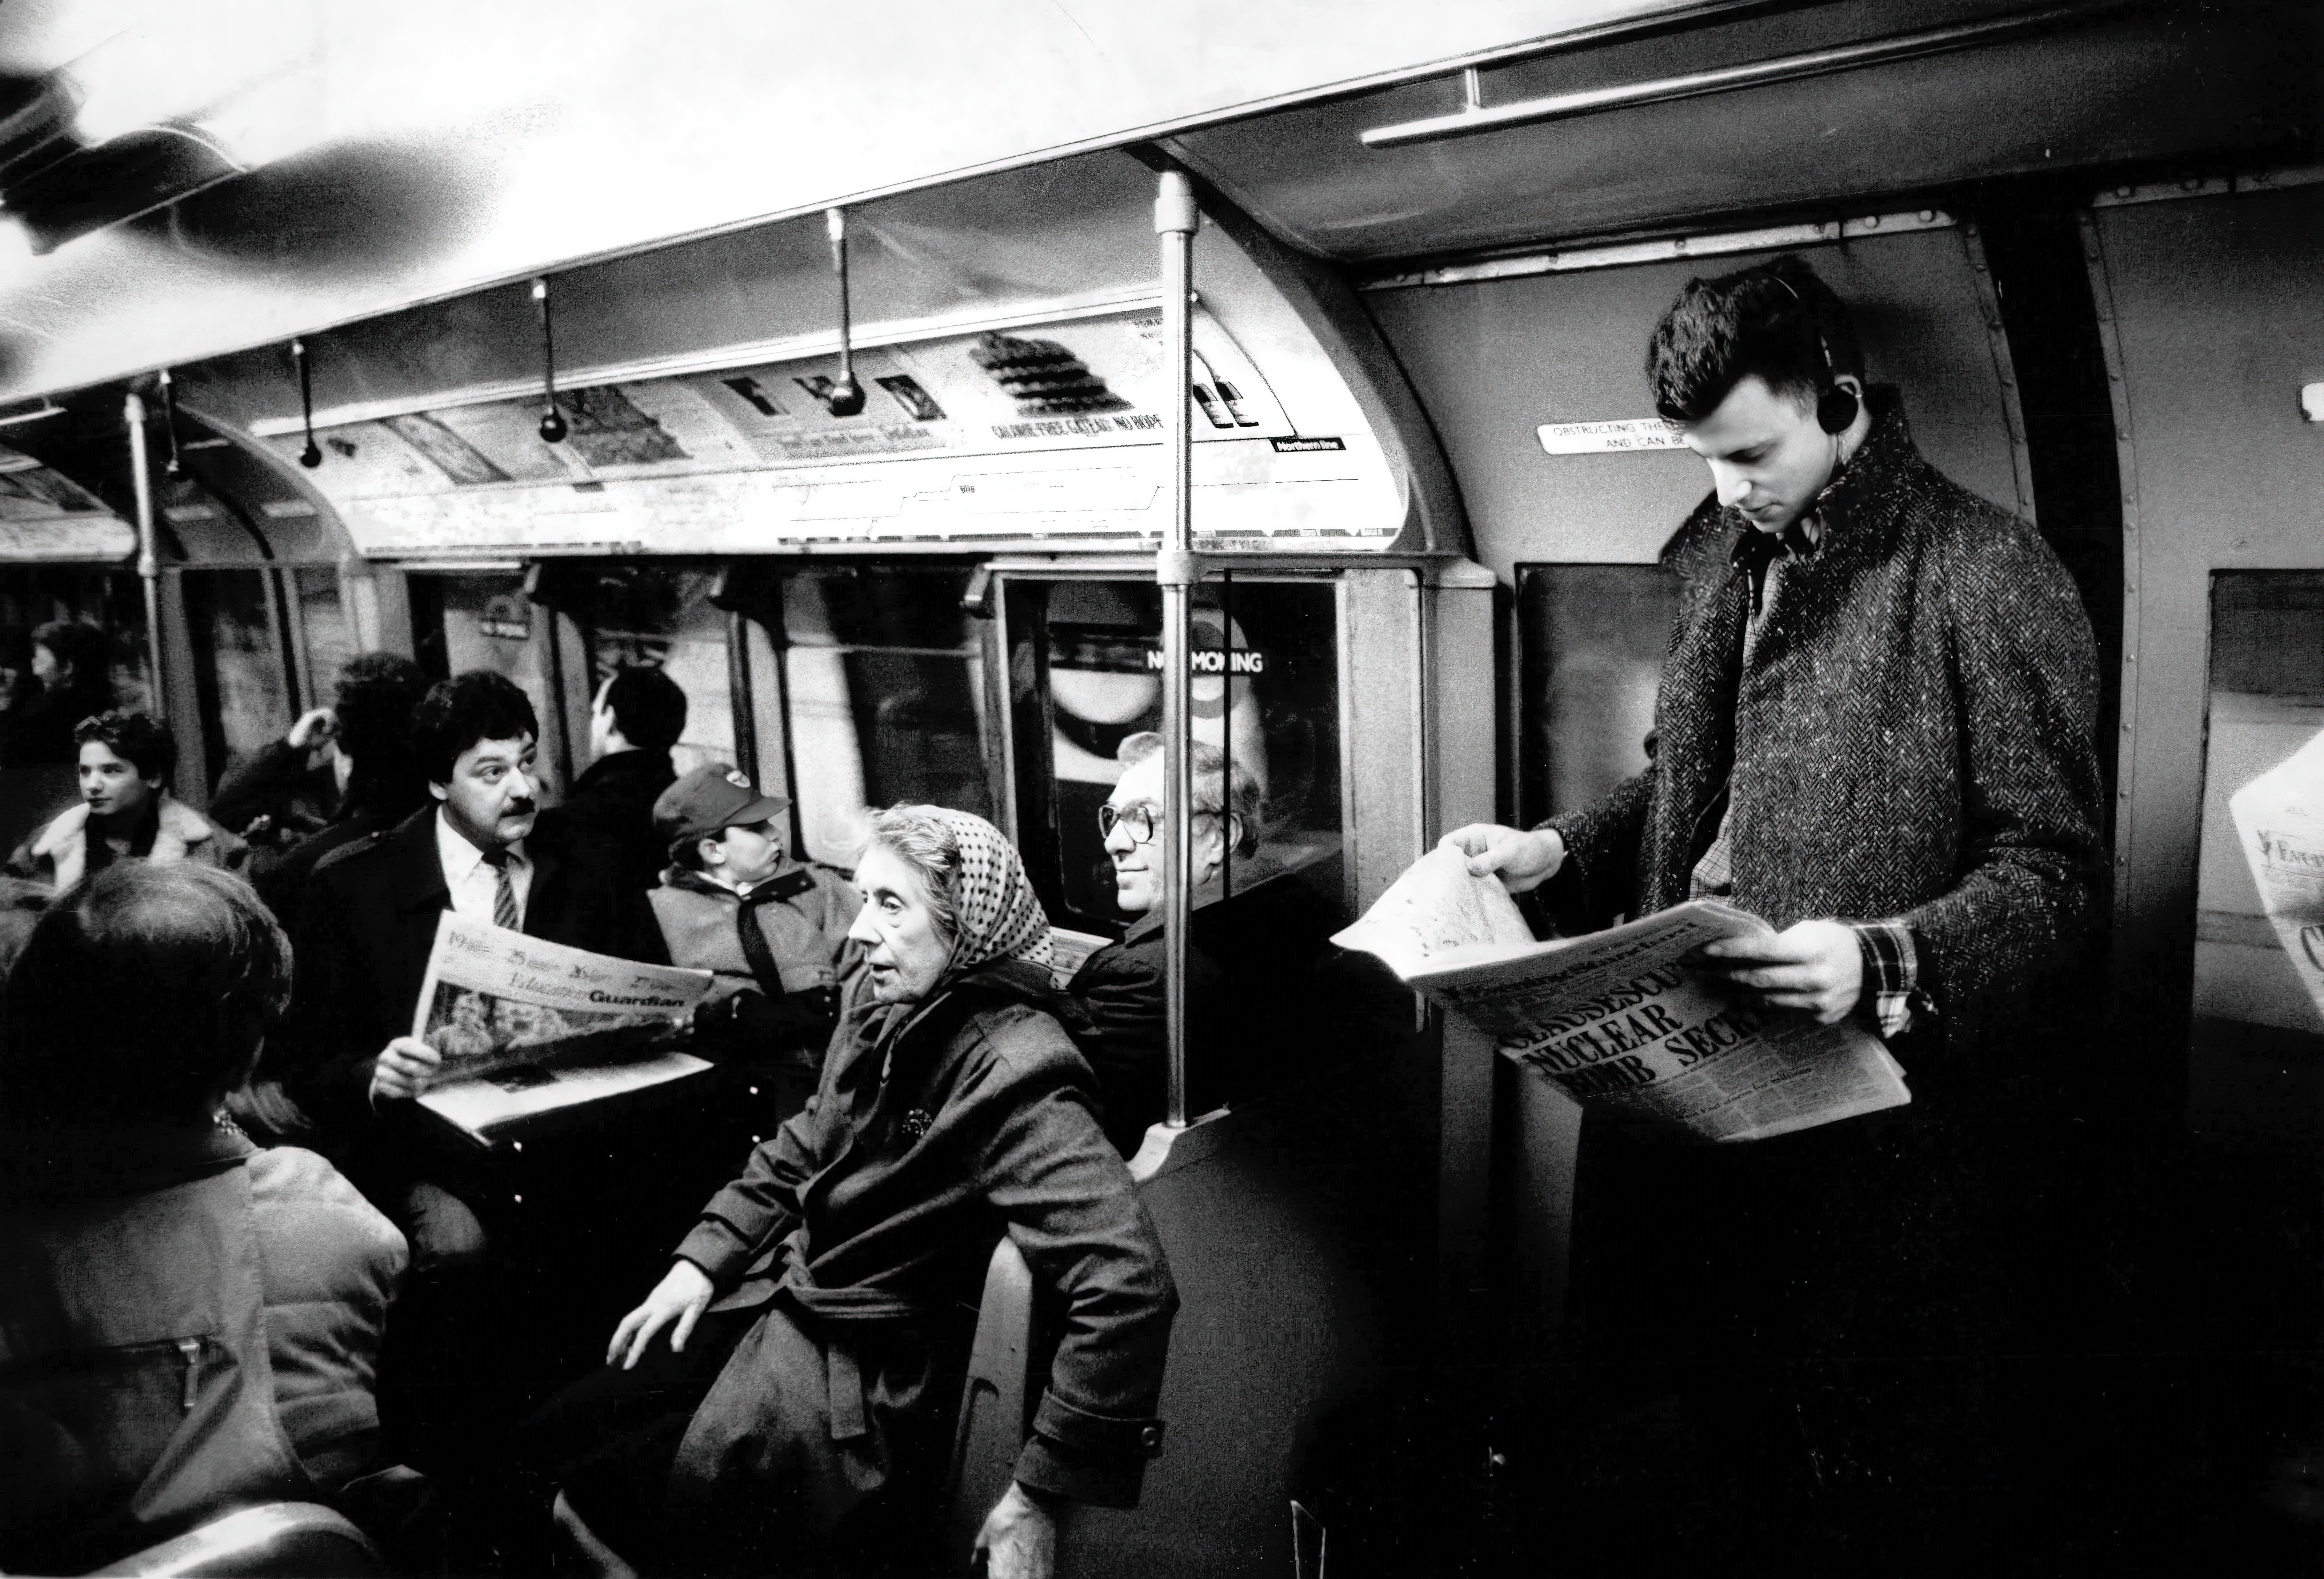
(1138,819)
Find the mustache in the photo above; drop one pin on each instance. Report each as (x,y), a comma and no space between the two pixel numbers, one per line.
(524,808)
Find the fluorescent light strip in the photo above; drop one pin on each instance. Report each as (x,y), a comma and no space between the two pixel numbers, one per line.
(1619,255)
(1473,119)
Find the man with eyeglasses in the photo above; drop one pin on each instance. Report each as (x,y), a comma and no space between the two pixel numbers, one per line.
(1122,986)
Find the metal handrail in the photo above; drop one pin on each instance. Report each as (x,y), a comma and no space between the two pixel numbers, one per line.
(1175,572)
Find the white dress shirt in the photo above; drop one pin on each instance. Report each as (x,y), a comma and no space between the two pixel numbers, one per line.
(473,882)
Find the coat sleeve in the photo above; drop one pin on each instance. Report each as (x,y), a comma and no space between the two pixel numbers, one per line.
(2025,672)
(1126,1041)
(326,1060)
(1072,1209)
(22,862)
(758,1209)
(1599,880)
(262,786)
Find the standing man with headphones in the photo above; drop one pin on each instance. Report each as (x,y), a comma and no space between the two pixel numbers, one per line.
(1876,732)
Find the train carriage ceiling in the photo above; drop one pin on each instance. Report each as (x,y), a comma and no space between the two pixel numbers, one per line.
(312,163)
(400,153)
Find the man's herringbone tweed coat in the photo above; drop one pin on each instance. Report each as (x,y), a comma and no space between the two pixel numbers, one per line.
(1912,739)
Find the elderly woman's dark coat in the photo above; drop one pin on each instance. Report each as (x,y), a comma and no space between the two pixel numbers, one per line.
(862,1230)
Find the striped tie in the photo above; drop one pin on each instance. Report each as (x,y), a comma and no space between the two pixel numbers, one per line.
(505,906)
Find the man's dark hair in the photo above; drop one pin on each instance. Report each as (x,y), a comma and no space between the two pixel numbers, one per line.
(141,993)
(648,707)
(144,744)
(457,713)
(88,649)
(1719,330)
(377,694)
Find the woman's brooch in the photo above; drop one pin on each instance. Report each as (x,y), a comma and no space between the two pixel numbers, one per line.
(915,1124)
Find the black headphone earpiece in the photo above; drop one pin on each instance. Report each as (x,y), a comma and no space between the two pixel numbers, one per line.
(1836,403)
(1835,409)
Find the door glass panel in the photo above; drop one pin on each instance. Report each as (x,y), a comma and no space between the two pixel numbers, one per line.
(661,615)
(1087,674)
(1590,644)
(887,700)
(30,597)
(238,669)
(472,620)
(2257,1059)
(326,636)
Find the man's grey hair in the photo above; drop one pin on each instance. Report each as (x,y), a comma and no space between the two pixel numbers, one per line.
(1217,790)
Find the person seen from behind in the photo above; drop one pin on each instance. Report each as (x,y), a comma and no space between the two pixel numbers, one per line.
(638,716)
(188,1324)
(340,773)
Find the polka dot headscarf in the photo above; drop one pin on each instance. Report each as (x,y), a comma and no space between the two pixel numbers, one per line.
(999,916)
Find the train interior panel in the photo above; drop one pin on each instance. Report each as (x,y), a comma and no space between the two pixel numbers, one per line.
(905,459)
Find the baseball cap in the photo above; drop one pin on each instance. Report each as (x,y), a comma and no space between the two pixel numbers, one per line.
(714,795)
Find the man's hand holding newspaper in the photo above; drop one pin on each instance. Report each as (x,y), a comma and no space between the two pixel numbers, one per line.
(1644,1021)
(510,1027)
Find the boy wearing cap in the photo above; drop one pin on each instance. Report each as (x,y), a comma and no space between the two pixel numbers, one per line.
(772,930)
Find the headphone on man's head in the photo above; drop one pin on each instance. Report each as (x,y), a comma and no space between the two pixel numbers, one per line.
(1836,403)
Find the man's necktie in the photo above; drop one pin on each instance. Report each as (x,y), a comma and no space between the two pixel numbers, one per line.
(505,912)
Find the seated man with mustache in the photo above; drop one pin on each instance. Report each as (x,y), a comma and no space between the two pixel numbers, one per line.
(481,847)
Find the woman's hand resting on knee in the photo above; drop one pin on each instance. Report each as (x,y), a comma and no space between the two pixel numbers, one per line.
(681,1297)
(1019,1537)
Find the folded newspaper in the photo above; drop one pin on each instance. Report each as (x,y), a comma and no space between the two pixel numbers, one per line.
(2280,819)
(1614,1019)
(528,1027)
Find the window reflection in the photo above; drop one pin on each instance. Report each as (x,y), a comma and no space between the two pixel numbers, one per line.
(886,694)
(1265,692)
(663,616)
(2258,1029)
(239,673)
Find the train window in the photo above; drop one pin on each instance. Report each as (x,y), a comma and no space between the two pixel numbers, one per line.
(2258,1028)
(321,629)
(483,620)
(653,614)
(885,682)
(33,595)
(1589,658)
(239,672)
(40,778)
(1085,674)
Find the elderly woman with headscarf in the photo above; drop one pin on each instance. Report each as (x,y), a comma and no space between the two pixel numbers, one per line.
(803,1420)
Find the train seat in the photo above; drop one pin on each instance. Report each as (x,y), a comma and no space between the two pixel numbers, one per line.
(1010,1358)
(996,1400)
(1268,1336)
(273,1538)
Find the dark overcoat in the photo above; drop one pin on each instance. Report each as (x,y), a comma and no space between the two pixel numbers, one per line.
(1911,739)
(865,1226)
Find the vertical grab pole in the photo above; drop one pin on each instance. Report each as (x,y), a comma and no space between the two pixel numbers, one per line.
(1175,572)
(149,563)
